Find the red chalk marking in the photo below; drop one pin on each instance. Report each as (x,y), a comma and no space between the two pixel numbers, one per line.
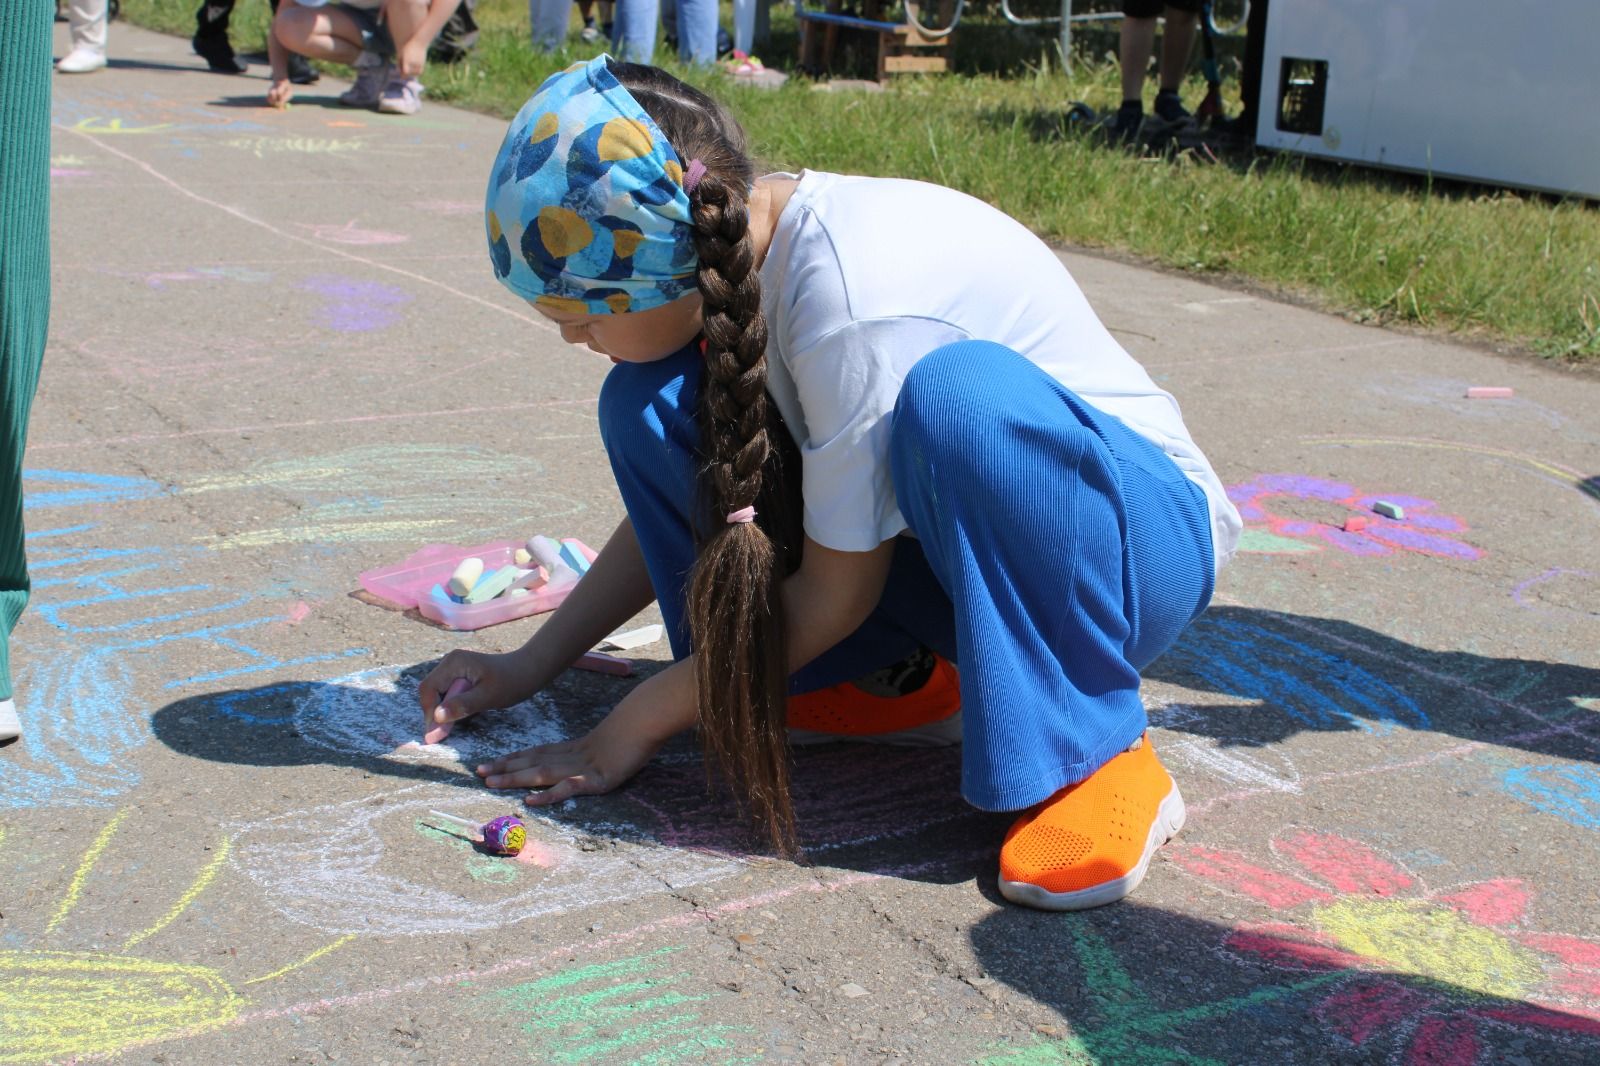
(1444,1040)
(1355,523)
(1235,872)
(1345,864)
(1498,902)
(601,663)
(1490,392)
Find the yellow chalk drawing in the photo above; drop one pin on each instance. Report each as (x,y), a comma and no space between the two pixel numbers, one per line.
(102,126)
(207,875)
(1560,473)
(361,470)
(1418,938)
(55,1004)
(75,889)
(313,957)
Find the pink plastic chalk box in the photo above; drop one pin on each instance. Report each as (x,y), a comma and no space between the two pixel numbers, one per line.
(483,585)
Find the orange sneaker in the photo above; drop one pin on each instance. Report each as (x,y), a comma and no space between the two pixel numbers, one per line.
(930,716)
(1090,843)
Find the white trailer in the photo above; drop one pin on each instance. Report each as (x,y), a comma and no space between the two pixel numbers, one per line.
(1499,91)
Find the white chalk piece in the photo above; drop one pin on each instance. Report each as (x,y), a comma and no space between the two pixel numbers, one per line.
(548,552)
(466,575)
(1389,510)
(1490,392)
(522,557)
(529,579)
(516,593)
(489,587)
(633,638)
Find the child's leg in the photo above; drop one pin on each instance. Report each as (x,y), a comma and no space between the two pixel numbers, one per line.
(1073,550)
(648,426)
(319,32)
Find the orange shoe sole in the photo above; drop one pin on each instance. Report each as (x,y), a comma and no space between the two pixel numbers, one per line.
(928,716)
(1083,847)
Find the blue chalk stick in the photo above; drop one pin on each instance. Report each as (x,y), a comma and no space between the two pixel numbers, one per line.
(574,558)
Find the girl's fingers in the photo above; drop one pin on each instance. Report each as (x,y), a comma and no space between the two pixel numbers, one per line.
(579,785)
(538,774)
(520,760)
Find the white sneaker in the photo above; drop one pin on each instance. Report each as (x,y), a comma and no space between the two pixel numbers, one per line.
(81,60)
(402,96)
(10,726)
(372,74)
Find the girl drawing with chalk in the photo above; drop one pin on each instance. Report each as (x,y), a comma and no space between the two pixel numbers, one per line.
(863,429)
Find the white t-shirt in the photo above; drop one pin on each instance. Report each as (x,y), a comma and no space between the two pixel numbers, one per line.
(865,276)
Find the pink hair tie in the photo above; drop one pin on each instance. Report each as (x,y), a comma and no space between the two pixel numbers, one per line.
(742,515)
(692,176)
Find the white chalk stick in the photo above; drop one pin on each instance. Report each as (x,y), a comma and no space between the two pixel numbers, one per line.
(633,638)
(466,575)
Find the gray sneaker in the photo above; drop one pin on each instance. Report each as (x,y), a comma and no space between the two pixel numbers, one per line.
(372,74)
(402,96)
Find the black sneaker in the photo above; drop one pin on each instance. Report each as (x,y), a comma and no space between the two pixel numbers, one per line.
(1124,126)
(1169,109)
(218,54)
(301,72)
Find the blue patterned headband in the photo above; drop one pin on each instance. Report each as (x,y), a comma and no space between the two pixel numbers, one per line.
(586,210)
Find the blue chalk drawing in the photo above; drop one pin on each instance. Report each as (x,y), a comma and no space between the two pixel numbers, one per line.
(82,720)
(1570,792)
(85,488)
(1309,685)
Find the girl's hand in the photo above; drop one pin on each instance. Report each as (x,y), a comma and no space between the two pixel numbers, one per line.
(411,57)
(496,682)
(279,92)
(599,762)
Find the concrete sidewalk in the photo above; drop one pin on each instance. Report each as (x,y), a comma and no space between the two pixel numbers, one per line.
(279,358)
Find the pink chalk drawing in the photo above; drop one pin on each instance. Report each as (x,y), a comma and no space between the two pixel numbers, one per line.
(1421,530)
(350,233)
(68,173)
(1427,968)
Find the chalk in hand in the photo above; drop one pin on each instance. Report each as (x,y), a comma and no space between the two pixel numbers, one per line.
(438,732)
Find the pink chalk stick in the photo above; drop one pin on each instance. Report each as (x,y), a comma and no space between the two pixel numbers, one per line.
(601,663)
(1355,523)
(1490,392)
(440,730)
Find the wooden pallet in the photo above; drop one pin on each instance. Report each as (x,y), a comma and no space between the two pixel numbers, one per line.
(902,49)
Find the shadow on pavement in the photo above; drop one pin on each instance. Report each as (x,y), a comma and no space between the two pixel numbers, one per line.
(1297,674)
(1138,984)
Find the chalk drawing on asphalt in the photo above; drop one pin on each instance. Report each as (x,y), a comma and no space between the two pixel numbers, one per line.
(1265,504)
(357,867)
(1425,969)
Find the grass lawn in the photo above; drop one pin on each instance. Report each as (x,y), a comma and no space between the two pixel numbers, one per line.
(1517,270)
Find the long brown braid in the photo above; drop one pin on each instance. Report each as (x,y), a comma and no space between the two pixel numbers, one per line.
(749,459)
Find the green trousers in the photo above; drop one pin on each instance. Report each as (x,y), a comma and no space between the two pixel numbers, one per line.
(24,275)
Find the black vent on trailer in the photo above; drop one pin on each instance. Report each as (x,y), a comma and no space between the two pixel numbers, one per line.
(1302,91)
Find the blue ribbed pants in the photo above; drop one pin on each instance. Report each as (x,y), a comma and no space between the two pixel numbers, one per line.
(1055,553)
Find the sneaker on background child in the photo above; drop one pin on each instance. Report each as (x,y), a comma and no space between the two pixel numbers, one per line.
(386,41)
(87,21)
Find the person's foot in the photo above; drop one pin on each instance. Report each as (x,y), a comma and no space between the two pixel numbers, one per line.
(10,725)
(301,72)
(1124,126)
(81,60)
(914,703)
(372,75)
(402,96)
(590,31)
(1169,108)
(218,54)
(1091,843)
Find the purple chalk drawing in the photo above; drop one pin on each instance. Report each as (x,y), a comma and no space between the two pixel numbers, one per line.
(1420,531)
(354,306)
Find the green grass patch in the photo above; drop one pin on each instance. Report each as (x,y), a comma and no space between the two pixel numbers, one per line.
(1518,270)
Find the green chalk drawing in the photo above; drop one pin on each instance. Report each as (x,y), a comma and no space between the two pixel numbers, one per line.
(488,868)
(1256,540)
(1131,1023)
(623,1011)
